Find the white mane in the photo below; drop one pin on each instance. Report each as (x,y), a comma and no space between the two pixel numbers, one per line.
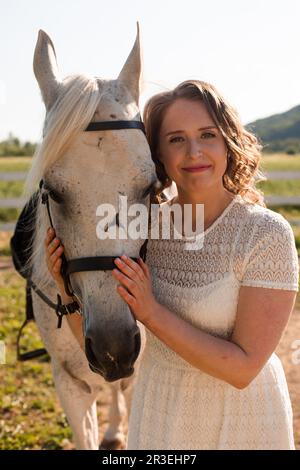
(77,102)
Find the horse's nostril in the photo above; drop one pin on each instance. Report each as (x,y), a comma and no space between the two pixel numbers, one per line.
(89,352)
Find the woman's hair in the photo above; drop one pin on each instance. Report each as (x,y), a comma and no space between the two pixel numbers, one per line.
(244,150)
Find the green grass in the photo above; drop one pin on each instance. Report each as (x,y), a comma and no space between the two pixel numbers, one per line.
(280,162)
(15,164)
(31,417)
(9,189)
(5,251)
(296,231)
(9,214)
(280,187)
(289,212)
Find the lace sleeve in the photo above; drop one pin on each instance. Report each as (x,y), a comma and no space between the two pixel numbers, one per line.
(273,260)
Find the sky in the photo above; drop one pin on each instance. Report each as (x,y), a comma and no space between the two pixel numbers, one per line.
(250,50)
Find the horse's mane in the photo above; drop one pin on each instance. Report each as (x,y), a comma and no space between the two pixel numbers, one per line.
(75,107)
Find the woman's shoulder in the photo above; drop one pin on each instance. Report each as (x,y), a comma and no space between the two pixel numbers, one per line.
(259,217)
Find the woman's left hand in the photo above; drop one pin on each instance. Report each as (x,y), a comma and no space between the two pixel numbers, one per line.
(136,287)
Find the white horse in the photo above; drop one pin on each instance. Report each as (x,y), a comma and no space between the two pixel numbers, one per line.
(83,170)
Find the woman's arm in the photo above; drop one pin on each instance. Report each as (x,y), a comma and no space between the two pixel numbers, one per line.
(262,315)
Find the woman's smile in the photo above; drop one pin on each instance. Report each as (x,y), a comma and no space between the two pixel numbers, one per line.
(193,150)
(197,169)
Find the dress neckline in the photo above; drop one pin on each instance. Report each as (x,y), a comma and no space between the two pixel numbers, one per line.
(216,222)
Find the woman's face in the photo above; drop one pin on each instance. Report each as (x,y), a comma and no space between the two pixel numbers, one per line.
(191,147)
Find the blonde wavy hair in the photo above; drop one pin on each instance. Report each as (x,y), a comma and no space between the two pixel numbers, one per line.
(244,150)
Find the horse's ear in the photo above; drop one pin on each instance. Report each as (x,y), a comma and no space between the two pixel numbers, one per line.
(130,74)
(45,69)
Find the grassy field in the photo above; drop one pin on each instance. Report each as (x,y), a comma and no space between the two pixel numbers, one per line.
(14,164)
(279,187)
(9,214)
(10,189)
(280,162)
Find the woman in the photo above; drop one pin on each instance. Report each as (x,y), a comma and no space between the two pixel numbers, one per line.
(209,378)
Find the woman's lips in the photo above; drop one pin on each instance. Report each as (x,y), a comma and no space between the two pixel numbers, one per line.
(197,168)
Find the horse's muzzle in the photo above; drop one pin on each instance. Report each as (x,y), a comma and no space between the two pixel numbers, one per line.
(113,359)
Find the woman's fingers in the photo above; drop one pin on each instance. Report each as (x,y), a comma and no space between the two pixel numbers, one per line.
(53,245)
(129,267)
(57,266)
(54,250)
(50,235)
(56,254)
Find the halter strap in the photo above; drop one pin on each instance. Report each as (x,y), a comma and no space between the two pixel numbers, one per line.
(92,263)
(115,125)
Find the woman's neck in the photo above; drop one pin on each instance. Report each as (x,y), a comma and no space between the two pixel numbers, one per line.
(214,204)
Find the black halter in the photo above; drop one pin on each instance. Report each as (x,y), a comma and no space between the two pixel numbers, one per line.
(95,263)
(115,125)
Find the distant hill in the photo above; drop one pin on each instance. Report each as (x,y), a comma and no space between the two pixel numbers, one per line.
(280,132)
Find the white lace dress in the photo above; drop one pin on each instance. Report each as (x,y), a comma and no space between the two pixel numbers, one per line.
(176,406)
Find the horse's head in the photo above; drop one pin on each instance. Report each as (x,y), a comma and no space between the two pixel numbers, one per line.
(84,170)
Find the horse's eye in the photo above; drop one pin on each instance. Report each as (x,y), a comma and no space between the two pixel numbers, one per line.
(53,194)
(56,197)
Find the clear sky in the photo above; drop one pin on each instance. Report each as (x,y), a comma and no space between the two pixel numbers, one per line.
(249,49)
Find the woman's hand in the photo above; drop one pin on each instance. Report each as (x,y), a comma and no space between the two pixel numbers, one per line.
(136,288)
(54,250)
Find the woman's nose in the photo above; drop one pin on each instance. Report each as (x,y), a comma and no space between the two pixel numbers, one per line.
(195,148)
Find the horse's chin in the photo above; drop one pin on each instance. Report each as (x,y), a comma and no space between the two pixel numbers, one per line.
(113,375)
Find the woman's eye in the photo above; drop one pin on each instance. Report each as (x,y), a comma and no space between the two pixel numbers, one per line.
(175,139)
(208,135)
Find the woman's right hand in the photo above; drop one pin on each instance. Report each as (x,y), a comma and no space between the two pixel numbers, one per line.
(54,250)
